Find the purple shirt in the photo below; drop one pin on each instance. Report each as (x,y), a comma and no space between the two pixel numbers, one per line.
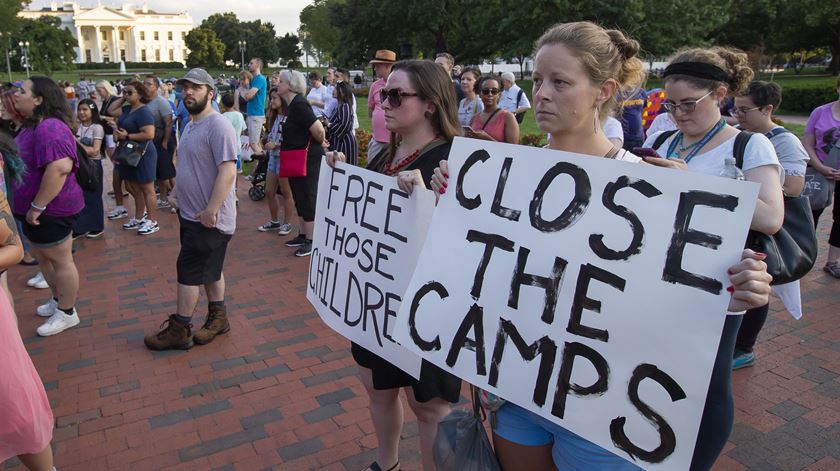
(825,128)
(51,140)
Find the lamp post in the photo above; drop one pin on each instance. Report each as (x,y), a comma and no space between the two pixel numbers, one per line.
(242,46)
(8,48)
(24,52)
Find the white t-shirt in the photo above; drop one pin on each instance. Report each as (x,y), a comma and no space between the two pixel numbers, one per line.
(759,152)
(321,94)
(466,111)
(791,153)
(613,129)
(508,102)
(662,122)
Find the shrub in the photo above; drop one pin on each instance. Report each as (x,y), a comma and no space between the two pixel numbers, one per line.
(130,65)
(361,92)
(362,139)
(534,140)
(805,98)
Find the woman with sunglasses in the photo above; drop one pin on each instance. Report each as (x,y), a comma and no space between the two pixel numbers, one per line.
(301,131)
(137,124)
(421,113)
(579,69)
(493,123)
(49,199)
(90,135)
(754,111)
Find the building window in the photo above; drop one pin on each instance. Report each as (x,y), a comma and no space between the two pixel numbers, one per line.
(104,35)
(157,55)
(183,35)
(143,55)
(171,55)
(88,56)
(142,35)
(85,35)
(122,35)
(184,54)
(156,36)
(122,54)
(169,35)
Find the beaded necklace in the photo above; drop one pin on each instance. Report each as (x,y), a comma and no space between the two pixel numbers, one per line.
(391,169)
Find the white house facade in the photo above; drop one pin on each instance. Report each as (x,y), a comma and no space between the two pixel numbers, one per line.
(128,33)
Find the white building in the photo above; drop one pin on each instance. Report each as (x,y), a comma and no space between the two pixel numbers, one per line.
(132,34)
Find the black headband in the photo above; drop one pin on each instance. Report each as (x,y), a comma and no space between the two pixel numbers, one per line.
(699,70)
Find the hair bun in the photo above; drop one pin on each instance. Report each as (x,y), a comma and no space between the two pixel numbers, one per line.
(628,48)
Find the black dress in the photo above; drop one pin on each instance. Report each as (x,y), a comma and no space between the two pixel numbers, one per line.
(434,382)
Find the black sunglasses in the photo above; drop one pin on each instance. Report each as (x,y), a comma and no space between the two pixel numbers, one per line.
(489,91)
(128,93)
(394,96)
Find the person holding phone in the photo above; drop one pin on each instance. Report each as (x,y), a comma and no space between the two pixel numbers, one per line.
(493,123)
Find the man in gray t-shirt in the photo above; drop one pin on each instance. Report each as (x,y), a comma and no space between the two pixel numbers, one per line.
(204,196)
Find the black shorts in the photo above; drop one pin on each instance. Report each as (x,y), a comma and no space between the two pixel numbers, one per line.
(165,167)
(51,231)
(305,189)
(202,253)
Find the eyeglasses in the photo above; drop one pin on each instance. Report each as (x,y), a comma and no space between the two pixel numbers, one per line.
(394,96)
(128,93)
(686,106)
(743,111)
(489,91)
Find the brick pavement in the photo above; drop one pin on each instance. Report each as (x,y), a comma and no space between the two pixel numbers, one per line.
(280,392)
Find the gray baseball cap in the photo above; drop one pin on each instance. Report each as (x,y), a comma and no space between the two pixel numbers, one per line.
(198,76)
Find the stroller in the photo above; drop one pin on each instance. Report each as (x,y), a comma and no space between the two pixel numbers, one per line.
(257,190)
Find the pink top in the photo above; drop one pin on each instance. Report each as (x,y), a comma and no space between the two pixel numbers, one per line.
(825,129)
(26,423)
(495,128)
(380,132)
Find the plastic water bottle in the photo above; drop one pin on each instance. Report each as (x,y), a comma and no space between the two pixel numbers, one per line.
(730,170)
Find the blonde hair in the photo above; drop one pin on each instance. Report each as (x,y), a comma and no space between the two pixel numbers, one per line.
(604,53)
(107,86)
(245,75)
(732,61)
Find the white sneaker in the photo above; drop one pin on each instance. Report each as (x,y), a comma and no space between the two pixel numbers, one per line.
(133,224)
(148,227)
(117,213)
(58,323)
(38,281)
(48,309)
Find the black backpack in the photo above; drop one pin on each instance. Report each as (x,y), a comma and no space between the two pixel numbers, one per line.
(86,175)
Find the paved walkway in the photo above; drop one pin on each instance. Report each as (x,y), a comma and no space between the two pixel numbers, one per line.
(280,392)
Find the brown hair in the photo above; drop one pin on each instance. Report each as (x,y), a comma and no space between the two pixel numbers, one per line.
(434,86)
(476,73)
(141,90)
(314,75)
(732,61)
(245,75)
(605,54)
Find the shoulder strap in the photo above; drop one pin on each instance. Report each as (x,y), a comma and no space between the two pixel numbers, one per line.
(776,132)
(661,138)
(519,97)
(740,146)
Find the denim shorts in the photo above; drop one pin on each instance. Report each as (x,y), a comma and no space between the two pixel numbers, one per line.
(569,451)
(273,163)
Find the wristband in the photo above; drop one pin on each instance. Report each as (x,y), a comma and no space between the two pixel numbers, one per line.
(39,208)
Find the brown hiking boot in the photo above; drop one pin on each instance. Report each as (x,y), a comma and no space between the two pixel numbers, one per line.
(172,336)
(216,324)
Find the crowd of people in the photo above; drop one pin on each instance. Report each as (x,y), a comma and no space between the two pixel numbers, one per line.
(184,154)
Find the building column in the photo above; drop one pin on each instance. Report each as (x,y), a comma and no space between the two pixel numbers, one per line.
(116,41)
(97,50)
(80,56)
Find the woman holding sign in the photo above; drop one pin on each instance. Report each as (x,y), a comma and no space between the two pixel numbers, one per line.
(421,112)
(579,69)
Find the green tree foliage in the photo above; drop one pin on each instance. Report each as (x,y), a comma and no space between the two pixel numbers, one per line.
(229,30)
(8,19)
(261,37)
(206,50)
(315,25)
(287,48)
(50,47)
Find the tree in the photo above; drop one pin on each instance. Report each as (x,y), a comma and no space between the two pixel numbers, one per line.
(287,48)
(10,9)
(262,41)
(206,50)
(229,31)
(315,24)
(50,46)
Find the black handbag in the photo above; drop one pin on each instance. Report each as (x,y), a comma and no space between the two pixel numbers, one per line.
(130,152)
(791,252)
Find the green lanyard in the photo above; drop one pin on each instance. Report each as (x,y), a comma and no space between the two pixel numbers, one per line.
(695,148)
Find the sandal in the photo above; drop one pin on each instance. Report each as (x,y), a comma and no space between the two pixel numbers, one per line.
(833,269)
(375,467)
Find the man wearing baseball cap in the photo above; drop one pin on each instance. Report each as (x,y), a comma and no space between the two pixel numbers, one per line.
(206,203)
(382,63)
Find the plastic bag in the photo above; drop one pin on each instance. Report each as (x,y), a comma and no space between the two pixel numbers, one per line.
(462,443)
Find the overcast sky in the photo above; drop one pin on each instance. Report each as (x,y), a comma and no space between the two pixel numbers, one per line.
(284,14)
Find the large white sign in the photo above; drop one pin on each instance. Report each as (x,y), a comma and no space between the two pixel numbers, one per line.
(368,236)
(590,291)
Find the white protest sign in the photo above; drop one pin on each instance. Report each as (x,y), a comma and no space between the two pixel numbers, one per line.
(587,290)
(367,240)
